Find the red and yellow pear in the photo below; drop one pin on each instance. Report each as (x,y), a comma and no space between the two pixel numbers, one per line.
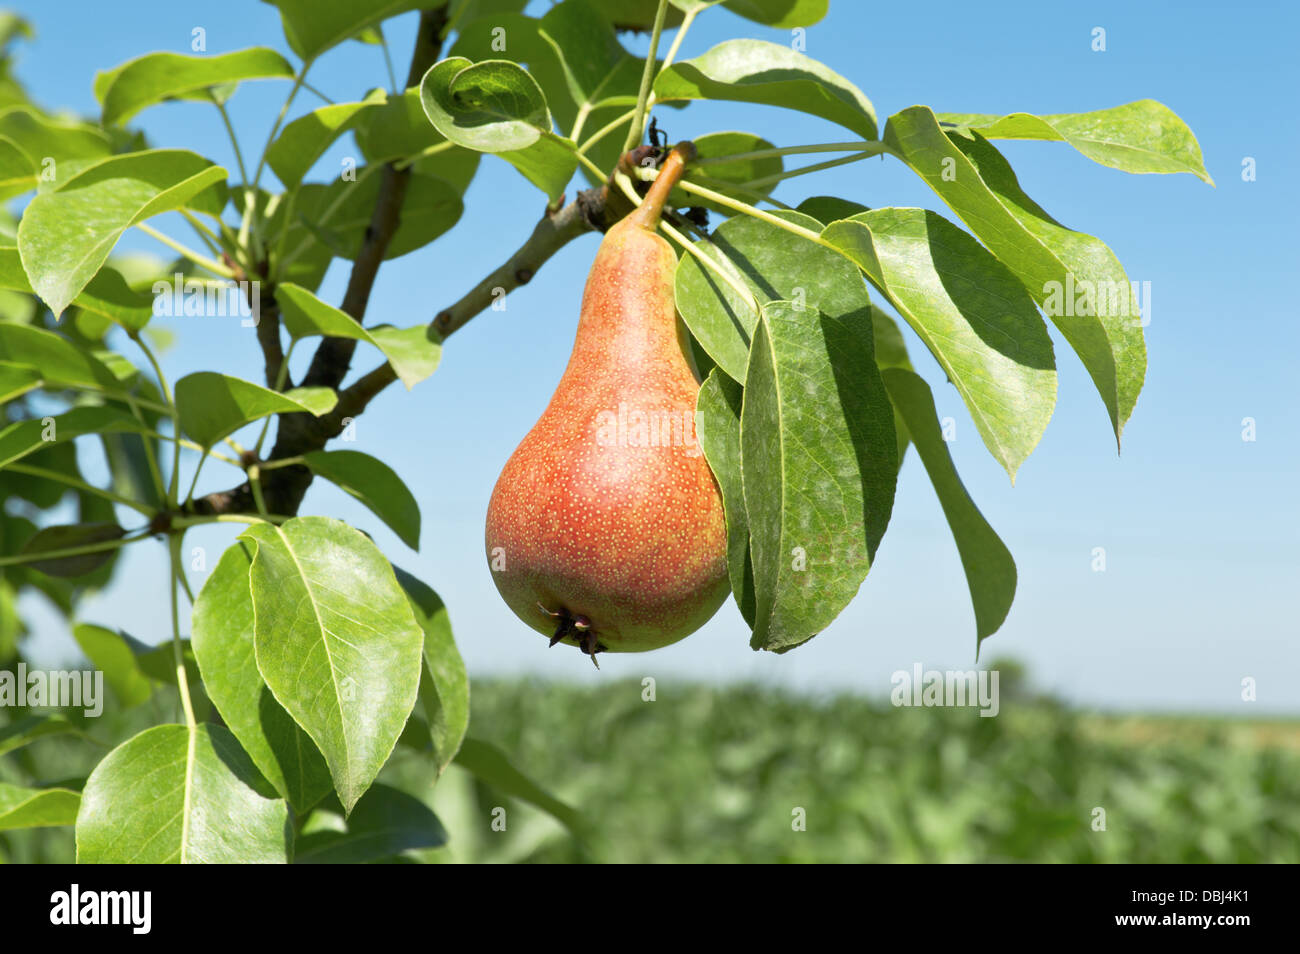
(605,529)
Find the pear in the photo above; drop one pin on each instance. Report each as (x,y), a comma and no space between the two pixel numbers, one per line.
(605,529)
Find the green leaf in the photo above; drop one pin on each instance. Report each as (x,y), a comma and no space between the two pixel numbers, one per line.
(37,807)
(717,425)
(305,140)
(490,765)
(66,234)
(17,380)
(26,437)
(171,794)
(29,728)
(107,295)
(336,641)
(990,570)
(413,352)
(112,654)
(13,26)
(777,266)
(66,537)
(827,208)
(972,313)
(314,26)
(59,361)
(1142,136)
(156,77)
(978,184)
(45,137)
(1095,307)
(819,467)
(431,207)
(385,823)
(17,169)
(738,172)
(495,106)
(754,71)
(222,634)
(574,55)
(212,406)
(784,14)
(444,683)
(397,127)
(376,485)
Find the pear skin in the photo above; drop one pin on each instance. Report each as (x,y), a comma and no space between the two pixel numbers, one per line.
(605,529)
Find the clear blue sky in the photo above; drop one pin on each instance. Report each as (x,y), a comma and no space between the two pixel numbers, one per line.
(1199,527)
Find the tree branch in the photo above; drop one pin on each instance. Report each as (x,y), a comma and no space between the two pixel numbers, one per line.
(329,366)
(284,487)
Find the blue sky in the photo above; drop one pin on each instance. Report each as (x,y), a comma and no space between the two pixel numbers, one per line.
(1199,526)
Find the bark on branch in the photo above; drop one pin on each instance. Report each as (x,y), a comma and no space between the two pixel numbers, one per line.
(284,487)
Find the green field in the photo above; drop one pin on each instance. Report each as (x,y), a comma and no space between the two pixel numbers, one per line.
(715,775)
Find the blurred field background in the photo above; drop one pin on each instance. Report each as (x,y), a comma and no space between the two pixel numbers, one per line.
(705,774)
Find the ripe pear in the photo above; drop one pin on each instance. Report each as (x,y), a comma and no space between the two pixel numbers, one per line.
(605,529)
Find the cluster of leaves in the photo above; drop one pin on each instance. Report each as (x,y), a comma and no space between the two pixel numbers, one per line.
(711,775)
(812,399)
(310,656)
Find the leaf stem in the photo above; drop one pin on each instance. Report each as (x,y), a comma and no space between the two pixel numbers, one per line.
(21,558)
(687,20)
(20,468)
(178,655)
(234,141)
(175,414)
(198,259)
(637,130)
(604,131)
(873,146)
(689,247)
(245,518)
(749,210)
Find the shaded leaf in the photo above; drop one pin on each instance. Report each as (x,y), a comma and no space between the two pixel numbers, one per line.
(444,683)
(314,26)
(171,795)
(29,728)
(305,140)
(490,765)
(113,655)
(336,641)
(37,807)
(71,536)
(978,184)
(754,71)
(26,437)
(376,485)
(222,634)
(156,77)
(496,106)
(66,234)
(972,313)
(385,823)
(819,467)
(717,425)
(212,406)
(990,569)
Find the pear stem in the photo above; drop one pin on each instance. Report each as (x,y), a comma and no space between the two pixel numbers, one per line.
(646,215)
